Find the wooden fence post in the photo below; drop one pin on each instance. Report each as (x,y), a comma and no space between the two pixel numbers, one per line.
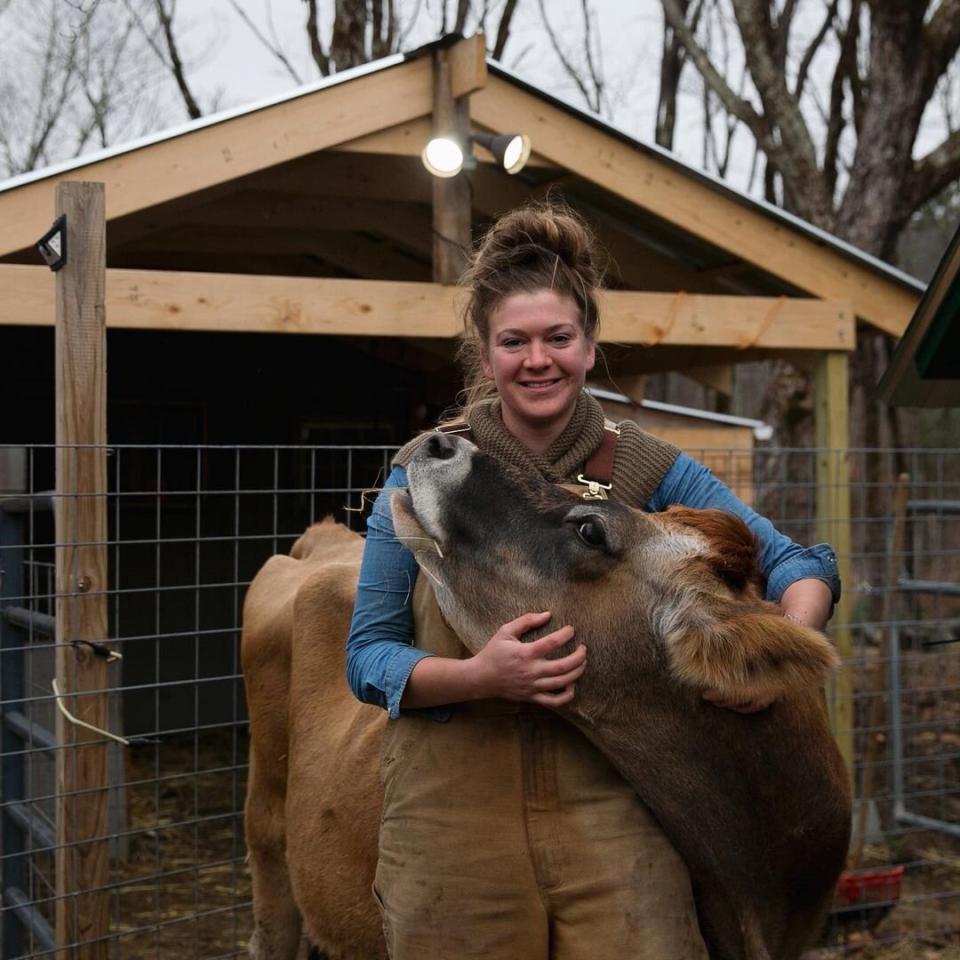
(833,526)
(83,853)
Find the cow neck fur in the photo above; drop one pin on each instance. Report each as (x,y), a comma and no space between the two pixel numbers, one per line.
(640,462)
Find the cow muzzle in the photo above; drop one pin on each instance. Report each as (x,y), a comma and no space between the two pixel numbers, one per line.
(435,474)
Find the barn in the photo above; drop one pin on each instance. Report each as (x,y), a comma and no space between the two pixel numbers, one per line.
(280,314)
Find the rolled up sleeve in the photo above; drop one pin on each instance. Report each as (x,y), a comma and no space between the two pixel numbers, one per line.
(782,561)
(818,562)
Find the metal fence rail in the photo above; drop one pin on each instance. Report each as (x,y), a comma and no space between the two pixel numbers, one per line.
(188,527)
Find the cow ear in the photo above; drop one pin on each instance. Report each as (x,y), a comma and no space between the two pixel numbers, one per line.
(756,655)
(733,547)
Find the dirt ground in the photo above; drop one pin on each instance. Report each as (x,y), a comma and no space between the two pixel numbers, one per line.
(187,830)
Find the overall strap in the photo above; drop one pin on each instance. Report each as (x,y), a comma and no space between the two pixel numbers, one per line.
(597,473)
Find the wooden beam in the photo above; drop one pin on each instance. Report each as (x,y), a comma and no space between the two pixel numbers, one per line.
(226,263)
(645,179)
(705,320)
(251,209)
(360,255)
(362,175)
(153,299)
(408,225)
(82,906)
(452,216)
(212,153)
(833,526)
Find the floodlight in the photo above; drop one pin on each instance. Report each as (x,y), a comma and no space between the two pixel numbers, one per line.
(510,150)
(443,157)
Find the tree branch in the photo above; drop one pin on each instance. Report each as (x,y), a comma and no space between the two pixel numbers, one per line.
(811,51)
(934,172)
(592,97)
(463,9)
(175,63)
(503,29)
(943,38)
(836,121)
(799,163)
(274,48)
(321,59)
(47,119)
(738,106)
(781,32)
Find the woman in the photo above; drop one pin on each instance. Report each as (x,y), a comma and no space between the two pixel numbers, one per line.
(505,834)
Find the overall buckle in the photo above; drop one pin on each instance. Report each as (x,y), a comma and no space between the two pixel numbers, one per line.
(595,489)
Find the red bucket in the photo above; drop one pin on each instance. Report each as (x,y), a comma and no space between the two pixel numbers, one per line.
(868,886)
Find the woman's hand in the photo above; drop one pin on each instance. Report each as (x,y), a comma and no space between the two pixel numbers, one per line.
(513,670)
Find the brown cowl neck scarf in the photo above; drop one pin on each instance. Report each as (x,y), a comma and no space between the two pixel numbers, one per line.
(639,465)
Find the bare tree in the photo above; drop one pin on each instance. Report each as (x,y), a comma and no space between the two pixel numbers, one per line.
(889,57)
(70,75)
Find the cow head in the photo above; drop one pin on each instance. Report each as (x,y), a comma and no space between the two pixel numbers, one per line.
(674,593)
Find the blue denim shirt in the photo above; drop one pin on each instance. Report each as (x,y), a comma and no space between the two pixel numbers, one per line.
(380,654)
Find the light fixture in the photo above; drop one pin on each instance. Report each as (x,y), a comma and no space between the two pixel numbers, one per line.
(53,244)
(445,157)
(510,150)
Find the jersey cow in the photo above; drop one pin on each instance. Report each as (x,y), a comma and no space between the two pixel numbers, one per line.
(668,605)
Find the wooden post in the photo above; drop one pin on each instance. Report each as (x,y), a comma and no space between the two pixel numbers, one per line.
(82,863)
(833,526)
(452,215)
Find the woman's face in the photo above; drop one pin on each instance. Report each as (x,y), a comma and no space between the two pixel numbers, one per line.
(538,357)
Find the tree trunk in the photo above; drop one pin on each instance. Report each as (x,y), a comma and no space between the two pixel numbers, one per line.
(873,211)
(671,66)
(348,44)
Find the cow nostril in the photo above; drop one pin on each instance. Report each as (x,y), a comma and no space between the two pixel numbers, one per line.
(441,447)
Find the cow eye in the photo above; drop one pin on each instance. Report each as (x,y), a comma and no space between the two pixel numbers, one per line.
(591,533)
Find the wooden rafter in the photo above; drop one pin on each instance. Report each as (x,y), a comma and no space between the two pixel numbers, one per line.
(159,300)
(358,254)
(693,205)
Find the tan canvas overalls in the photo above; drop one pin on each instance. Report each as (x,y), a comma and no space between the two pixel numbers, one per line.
(507,836)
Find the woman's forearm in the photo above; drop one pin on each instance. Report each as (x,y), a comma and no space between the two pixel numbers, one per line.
(809,602)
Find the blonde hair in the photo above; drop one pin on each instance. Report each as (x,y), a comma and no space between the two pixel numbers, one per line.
(543,245)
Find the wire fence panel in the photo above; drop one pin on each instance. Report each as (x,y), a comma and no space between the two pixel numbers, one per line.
(189,526)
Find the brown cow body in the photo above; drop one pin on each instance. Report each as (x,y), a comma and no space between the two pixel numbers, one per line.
(758,805)
(314,795)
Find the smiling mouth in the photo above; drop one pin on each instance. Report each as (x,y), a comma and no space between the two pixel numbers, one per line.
(535,385)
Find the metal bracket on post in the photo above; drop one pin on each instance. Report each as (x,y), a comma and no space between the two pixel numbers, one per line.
(53,244)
